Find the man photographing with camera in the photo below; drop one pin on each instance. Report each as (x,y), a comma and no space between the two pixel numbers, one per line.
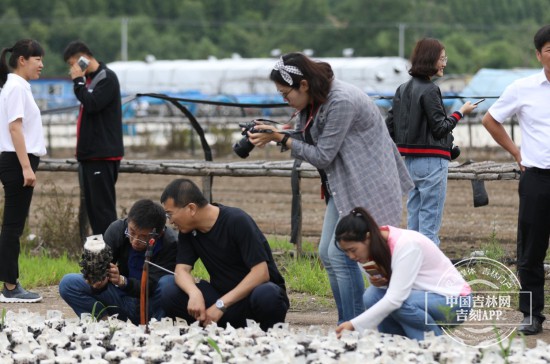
(99,147)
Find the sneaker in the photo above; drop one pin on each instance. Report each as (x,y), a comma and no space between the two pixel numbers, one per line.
(531,325)
(19,294)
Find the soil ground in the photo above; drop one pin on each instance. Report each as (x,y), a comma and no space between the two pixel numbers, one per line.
(267,199)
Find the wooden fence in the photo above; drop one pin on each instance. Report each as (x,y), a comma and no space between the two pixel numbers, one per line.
(487,170)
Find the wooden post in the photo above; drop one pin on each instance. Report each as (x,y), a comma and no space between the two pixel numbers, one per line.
(207,182)
(82,213)
(49,133)
(296,208)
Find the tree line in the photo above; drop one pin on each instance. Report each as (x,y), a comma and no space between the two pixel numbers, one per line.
(476,34)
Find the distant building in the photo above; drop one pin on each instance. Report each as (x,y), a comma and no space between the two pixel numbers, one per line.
(237,80)
(53,93)
(246,78)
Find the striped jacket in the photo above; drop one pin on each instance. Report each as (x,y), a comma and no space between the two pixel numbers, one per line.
(353,146)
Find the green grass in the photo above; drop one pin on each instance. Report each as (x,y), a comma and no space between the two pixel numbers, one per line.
(493,248)
(303,274)
(43,270)
(278,243)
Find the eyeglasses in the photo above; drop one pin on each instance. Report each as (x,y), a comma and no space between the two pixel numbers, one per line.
(285,94)
(135,238)
(444,59)
(169,215)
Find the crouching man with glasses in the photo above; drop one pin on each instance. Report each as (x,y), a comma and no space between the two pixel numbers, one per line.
(119,292)
(244,280)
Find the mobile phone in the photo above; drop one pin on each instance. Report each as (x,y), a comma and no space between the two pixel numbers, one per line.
(373,273)
(479,101)
(83,63)
(372,269)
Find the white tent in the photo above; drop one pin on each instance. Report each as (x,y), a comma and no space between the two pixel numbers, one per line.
(240,76)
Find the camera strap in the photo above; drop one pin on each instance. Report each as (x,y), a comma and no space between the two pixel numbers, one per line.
(312,114)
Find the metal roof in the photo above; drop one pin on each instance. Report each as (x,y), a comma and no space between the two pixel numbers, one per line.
(490,83)
(235,76)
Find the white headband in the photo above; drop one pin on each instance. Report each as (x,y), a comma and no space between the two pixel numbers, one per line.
(285,71)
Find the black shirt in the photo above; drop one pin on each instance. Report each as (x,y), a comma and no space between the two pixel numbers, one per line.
(229,250)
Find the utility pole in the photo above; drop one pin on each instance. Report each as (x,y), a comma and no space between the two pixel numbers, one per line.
(402,27)
(124,39)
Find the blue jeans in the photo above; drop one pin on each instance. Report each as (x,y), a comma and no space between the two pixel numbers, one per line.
(411,319)
(267,304)
(427,198)
(78,294)
(346,280)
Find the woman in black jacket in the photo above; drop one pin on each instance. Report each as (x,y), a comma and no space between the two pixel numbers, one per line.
(421,128)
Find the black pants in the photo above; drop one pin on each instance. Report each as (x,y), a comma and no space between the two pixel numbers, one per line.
(533,235)
(17,201)
(267,304)
(97,181)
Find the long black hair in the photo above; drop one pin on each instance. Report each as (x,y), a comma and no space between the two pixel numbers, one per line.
(24,47)
(355,226)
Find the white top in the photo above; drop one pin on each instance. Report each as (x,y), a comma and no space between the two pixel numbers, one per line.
(528,98)
(417,264)
(16,101)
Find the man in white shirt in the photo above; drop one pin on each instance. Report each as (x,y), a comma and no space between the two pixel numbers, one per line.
(528,98)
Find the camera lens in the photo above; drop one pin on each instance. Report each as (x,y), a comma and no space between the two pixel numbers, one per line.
(455,152)
(243,147)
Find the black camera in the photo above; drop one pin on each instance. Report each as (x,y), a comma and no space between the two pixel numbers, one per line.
(455,152)
(243,147)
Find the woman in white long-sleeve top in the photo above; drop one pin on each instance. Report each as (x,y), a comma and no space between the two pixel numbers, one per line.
(408,295)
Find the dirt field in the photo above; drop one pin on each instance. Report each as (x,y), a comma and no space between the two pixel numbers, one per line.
(267,200)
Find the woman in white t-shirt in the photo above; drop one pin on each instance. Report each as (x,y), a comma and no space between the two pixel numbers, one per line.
(21,146)
(402,266)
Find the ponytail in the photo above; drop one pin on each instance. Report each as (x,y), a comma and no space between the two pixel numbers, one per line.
(355,226)
(4,70)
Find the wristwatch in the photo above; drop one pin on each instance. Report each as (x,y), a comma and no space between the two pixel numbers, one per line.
(123,284)
(220,305)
